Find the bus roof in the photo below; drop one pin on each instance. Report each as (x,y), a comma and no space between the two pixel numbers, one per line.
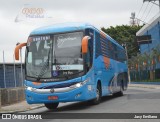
(62,27)
(68,27)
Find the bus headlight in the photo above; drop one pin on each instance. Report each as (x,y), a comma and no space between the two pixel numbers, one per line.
(77,85)
(31,89)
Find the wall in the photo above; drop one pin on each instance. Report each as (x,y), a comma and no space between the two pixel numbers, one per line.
(11,95)
(155,34)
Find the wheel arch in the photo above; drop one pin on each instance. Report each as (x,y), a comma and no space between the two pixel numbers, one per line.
(99,83)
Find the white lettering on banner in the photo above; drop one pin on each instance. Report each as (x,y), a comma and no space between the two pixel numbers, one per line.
(67,67)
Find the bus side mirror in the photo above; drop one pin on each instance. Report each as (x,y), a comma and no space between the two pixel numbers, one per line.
(85,44)
(18,47)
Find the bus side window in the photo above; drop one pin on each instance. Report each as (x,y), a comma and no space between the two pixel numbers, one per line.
(88,59)
(90,51)
(89,55)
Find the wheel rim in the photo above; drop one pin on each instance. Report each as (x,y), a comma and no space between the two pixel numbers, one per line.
(97,94)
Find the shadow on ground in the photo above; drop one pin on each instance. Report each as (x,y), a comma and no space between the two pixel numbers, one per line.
(81,105)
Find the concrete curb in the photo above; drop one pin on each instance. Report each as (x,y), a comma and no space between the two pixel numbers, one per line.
(145,86)
(24,110)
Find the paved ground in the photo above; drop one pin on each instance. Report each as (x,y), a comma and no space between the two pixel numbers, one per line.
(137,99)
(23,106)
(19,107)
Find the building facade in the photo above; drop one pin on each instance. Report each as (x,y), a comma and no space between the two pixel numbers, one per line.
(147,65)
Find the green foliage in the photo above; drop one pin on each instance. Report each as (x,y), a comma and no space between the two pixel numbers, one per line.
(125,34)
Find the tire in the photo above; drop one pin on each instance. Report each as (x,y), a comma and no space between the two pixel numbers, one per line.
(97,100)
(120,93)
(51,106)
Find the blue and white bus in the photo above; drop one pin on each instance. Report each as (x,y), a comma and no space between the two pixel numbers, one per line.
(72,62)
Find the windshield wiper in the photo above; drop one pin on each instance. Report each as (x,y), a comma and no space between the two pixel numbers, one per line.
(44,67)
(55,60)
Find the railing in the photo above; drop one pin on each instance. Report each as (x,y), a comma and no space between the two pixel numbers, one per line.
(12,77)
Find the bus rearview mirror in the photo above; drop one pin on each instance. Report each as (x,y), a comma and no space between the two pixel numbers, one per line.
(18,47)
(85,44)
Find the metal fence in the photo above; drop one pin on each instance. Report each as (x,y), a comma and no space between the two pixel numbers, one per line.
(145,75)
(10,75)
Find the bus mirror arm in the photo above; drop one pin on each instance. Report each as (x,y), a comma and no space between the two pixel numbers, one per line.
(85,44)
(18,47)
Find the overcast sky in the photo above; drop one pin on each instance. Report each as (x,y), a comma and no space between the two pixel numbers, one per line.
(100,13)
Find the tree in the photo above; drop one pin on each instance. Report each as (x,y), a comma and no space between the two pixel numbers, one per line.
(125,34)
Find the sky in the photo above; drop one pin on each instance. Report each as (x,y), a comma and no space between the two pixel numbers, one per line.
(16,27)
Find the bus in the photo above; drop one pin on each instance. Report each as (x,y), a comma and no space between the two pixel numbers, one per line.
(72,62)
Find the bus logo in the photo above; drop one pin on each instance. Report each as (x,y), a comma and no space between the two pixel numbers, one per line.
(58,67)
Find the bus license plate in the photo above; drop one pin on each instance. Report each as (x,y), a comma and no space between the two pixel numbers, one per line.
(52,97)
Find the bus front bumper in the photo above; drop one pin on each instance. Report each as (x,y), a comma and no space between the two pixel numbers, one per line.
(78,92)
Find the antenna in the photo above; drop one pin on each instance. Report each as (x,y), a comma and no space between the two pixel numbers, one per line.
(133,20)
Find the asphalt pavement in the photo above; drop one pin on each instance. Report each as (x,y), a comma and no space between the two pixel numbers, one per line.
(135,100)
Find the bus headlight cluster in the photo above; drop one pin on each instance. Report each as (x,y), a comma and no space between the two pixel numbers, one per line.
(77,85)
(31,89)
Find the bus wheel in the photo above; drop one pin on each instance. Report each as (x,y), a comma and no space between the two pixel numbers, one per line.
(120,93)
(51,106)
(98,95)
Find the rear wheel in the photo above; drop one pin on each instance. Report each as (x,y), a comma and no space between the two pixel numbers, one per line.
(120,93)
(51,106)
(98,95)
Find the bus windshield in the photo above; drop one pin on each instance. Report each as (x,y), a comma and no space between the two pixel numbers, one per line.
(54,56)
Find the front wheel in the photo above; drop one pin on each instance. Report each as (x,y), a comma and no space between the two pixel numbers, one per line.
(51,106)
(98,95)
